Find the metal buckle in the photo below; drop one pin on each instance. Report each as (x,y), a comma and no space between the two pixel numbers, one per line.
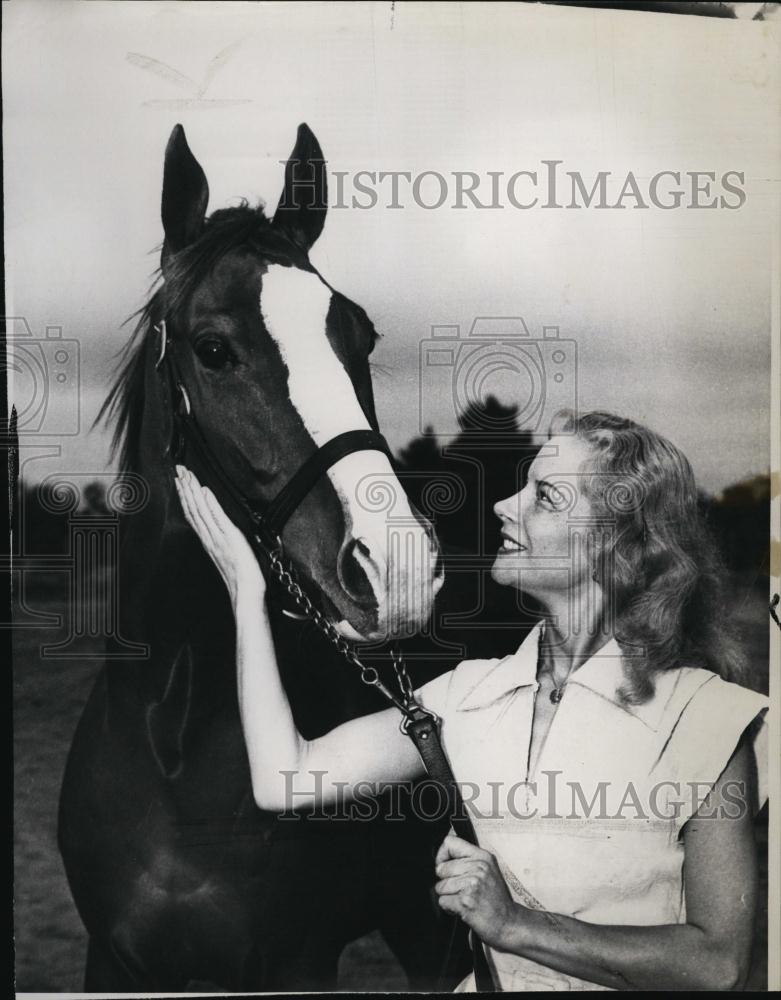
(162,330)
(418,711)
(185,398)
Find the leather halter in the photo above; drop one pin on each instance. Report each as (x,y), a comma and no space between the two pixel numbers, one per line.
(265,520)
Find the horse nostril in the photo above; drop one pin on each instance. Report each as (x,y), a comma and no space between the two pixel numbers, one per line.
(354,556)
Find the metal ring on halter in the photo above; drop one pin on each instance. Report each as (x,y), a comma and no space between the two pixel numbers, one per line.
(161,329)
(369,675)
(185,398)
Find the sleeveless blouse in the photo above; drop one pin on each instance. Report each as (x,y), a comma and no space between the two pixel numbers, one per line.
(593,831)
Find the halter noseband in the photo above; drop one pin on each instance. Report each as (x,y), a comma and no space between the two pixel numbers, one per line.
(265,520)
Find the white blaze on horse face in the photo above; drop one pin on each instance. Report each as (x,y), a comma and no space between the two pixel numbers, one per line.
(294,305)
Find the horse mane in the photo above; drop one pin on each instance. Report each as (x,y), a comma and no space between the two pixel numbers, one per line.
(124,403)
(242,227)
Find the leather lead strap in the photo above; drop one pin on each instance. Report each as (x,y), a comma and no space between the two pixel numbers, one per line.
(424,733)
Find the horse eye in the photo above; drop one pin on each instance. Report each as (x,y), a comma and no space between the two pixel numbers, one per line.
(213,354)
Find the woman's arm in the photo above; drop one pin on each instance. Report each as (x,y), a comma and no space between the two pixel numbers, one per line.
(710,951)
(287,770)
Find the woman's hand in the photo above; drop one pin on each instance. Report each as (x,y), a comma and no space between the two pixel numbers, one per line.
(226,545)
(471,886)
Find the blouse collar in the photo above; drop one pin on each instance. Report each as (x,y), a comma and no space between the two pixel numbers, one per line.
(603,674)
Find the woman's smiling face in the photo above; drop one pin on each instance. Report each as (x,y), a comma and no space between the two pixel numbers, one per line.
(541,554)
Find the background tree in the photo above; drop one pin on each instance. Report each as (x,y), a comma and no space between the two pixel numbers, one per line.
(456,485)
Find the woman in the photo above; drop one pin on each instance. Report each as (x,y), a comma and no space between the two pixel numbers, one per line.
(610,763)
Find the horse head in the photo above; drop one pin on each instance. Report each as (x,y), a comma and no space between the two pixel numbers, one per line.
(276,365)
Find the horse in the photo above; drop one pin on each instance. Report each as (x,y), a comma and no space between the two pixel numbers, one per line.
(181,881)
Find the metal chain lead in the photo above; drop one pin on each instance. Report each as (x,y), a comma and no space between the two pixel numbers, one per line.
(369,675)
(403,677)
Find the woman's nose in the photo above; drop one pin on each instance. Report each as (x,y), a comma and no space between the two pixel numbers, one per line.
(507,509)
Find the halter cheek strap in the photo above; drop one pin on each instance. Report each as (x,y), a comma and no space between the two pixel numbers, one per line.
(267,519)
(278,512)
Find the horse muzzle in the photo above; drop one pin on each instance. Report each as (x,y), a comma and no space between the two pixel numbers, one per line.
(388,584)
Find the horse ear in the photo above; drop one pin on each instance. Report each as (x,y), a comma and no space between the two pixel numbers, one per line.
(301,210)
(185,195)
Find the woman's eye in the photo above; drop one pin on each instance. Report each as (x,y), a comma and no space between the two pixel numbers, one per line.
(213,354)
(551,496)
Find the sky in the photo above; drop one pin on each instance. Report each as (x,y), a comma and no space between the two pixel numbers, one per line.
(667,312)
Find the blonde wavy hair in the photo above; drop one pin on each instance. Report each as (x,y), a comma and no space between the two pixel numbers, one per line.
(659,568)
